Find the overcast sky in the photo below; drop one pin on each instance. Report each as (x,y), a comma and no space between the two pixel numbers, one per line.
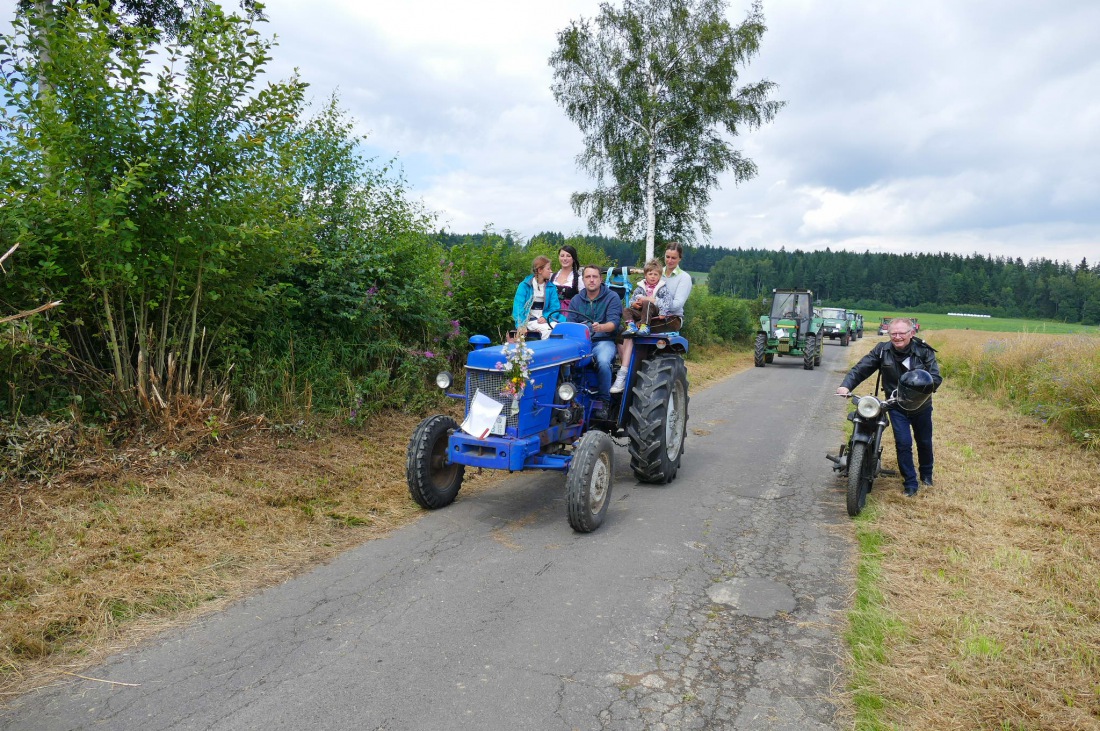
(966,126)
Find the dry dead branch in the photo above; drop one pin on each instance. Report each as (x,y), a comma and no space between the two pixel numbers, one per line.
(25,313)
(28,313)
(5,256)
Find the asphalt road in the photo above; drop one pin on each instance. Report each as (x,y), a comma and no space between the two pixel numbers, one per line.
(714,602)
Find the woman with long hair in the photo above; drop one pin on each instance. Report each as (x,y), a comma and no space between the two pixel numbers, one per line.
(535,296)
(567,279)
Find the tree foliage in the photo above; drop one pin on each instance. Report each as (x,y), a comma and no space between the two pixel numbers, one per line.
(653,87)
(146,205)
(195,222)
(167,17)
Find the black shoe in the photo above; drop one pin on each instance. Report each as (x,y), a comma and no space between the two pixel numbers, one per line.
(911,491)
(599,414)
(926,481)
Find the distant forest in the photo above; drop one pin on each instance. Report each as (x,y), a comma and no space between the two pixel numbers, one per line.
(998,286)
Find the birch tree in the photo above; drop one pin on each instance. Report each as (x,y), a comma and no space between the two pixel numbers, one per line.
(653,86)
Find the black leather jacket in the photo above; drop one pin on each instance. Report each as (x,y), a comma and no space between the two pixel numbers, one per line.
(883,357)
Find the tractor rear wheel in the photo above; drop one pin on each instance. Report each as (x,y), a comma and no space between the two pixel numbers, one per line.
(657,428)
(433,482)
(859,478)
(809,352)
(758,353)
(588,483)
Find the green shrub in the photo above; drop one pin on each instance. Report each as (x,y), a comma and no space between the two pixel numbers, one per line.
(717,320)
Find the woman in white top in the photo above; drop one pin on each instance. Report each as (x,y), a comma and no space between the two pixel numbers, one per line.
(678,282)
(567,280)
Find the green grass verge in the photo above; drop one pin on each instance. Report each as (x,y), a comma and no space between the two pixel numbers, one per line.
(870,626)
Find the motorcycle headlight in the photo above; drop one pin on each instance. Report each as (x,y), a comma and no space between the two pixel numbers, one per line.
(566,392)
(443,379)
(869,407)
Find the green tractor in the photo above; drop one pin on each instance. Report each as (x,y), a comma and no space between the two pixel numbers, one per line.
(837,324)
(793,328)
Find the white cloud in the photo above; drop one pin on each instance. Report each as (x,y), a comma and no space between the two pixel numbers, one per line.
(939,126)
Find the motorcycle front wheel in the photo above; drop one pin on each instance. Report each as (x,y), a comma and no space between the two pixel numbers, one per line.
(860,471)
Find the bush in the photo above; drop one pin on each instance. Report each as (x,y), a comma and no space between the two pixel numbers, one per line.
(480,282)
(715,319)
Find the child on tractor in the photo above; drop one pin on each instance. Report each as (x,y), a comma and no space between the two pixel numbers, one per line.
(651,299)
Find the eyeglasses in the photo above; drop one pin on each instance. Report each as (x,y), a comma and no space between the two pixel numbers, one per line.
(900,335)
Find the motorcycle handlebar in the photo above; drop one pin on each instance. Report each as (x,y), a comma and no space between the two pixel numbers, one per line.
(855,397)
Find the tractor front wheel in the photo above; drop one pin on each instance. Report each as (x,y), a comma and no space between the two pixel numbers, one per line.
(809,352)
(845,339)
(588,483)
(433,481)
(759,356)
(658,419)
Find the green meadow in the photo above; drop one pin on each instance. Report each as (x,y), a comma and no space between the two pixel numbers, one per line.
(931,321)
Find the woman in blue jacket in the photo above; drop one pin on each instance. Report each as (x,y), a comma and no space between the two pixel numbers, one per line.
(534,297)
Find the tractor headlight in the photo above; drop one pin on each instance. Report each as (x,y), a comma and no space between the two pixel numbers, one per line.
(869,407)
(444,379)
(566,392)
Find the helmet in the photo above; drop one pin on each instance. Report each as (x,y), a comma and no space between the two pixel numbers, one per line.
(914,389)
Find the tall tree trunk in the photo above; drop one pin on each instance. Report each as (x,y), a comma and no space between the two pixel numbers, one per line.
(651,200)
(113,345)
(186,388)
(44,12)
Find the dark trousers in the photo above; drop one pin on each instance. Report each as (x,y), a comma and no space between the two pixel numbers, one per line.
(909,428)
(640,314)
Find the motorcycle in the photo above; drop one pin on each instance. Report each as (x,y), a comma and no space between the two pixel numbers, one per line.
(860,459)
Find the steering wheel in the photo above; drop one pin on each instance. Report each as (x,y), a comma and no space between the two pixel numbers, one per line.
(590,320)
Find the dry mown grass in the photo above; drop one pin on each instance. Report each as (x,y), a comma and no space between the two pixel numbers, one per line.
(992,576)
(92,566)
(105,557)
(1056,378)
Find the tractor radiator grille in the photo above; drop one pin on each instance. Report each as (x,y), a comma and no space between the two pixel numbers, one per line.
(490,383)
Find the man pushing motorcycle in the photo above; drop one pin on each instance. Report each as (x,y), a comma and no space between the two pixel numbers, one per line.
(904,354)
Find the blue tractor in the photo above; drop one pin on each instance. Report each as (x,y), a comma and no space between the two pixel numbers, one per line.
(551,425)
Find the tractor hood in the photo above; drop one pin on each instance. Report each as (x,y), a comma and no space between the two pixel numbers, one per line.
(552,352)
